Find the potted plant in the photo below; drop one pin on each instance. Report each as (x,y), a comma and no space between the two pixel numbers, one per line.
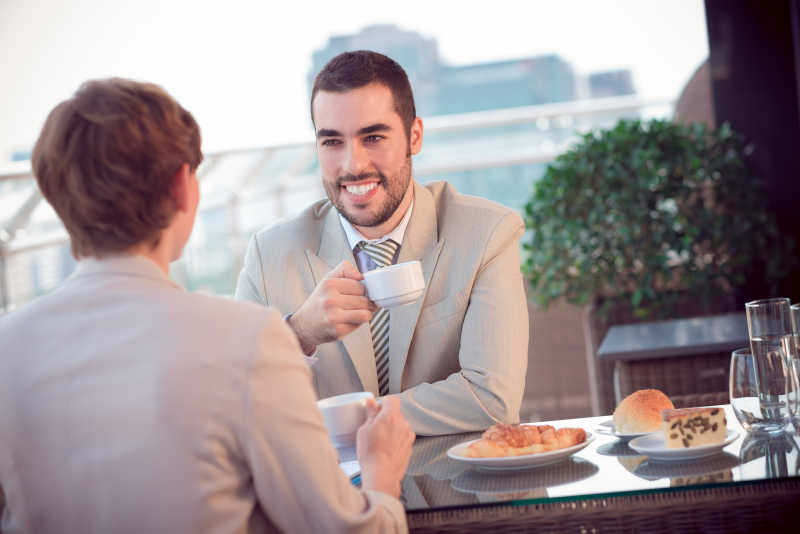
(651,220)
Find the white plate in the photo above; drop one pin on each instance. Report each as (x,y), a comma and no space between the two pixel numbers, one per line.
(515,462)
(652,445)
(607,428)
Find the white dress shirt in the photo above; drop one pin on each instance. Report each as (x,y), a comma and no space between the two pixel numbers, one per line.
(354,237)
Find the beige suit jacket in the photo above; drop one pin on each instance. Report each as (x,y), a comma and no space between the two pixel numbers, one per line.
(458,355)
(128,405)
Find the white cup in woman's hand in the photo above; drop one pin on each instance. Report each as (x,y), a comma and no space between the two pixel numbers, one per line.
(343,415)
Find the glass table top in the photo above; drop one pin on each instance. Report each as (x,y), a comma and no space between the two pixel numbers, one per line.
(607,466)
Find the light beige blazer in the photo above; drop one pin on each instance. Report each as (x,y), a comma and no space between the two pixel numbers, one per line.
(458,356)
(129,405)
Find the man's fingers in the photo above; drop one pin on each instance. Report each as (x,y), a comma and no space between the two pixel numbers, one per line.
(346,270)
(354,302)
(346,286)
(352,317)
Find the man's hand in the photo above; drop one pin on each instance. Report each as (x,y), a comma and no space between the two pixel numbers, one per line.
(336,307)
(383,445)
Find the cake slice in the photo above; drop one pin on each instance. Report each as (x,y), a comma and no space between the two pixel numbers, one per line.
(694,427)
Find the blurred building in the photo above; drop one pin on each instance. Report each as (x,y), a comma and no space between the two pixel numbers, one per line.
(418,55)
(611,83)
(504,84)
(442,89)
(21,155)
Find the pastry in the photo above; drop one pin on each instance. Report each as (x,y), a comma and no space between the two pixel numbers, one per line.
(694,427)
(641,411)
(514,440)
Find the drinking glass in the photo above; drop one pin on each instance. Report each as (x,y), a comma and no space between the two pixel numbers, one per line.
(795,310)
(792,354)
(768,321)
(751,412)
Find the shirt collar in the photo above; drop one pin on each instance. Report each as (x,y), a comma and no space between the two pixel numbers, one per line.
(354,237)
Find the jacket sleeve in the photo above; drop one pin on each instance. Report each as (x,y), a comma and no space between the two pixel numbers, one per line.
(294,466)
(493,348)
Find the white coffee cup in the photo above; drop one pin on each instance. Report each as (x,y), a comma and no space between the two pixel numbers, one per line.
(343,415)
(395,285)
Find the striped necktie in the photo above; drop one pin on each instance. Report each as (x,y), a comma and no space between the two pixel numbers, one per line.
(382,254)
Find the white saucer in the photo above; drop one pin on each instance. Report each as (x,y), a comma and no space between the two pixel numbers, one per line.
(516,462)
(652,445)
(607,428)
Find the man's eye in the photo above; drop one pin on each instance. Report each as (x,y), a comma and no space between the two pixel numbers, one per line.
(373,138)
(330,142)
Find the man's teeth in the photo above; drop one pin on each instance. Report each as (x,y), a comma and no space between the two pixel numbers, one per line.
(360,189)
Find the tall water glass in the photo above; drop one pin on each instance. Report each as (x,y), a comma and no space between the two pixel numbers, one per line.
(744,395)
(791,353)
(791,345)
(768,321)
(795,309)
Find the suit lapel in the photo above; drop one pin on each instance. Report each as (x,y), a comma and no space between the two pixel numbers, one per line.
(333,249)
(420,242)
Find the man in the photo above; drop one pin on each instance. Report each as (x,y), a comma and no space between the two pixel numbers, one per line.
(129,405)
(457,357)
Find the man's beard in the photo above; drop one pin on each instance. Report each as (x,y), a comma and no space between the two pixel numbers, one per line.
(395,189)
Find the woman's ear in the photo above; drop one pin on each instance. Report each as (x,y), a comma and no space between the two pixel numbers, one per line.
(181,188)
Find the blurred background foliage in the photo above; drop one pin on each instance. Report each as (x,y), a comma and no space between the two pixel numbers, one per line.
(649,214)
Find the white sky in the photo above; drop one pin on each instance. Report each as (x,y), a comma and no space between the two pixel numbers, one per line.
(240,66)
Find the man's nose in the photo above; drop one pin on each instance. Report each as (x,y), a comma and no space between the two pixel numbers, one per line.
(356,160)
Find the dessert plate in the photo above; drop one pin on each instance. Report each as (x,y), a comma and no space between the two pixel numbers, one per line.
(607,428)
(456,452)
(652,445)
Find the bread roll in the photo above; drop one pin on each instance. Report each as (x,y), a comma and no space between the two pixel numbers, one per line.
(641,411)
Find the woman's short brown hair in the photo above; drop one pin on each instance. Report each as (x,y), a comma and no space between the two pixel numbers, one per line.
(106,160)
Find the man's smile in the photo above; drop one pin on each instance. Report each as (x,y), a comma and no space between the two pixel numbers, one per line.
(360,189)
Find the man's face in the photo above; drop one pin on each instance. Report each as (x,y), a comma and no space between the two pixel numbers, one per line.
(365,156)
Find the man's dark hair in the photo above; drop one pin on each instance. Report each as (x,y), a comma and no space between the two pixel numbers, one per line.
(351,70)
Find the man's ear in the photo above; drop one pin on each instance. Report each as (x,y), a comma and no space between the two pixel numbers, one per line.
(181,188)
(415,137)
